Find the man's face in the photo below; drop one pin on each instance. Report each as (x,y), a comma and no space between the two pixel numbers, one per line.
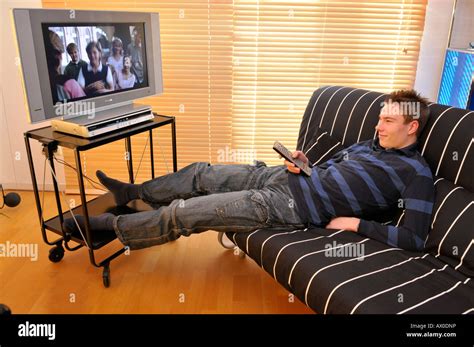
(392,130)
(74,55)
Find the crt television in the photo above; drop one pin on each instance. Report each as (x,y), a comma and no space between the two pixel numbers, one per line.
(457,81)
(72,58)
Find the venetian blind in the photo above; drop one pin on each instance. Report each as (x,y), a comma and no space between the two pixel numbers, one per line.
(284,50)
(238,74)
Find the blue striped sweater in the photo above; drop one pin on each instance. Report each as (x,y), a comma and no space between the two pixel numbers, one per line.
(363,180)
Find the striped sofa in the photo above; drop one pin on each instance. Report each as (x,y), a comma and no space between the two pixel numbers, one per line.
(313,263)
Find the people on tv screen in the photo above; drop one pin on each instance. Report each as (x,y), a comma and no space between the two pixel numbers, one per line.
(88,69)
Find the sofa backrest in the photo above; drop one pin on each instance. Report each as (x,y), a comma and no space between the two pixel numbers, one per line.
(338,116)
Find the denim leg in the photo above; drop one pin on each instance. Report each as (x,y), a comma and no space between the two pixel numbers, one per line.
(232,211)
(269,205)
(241,211)
(277,195)
(202,179)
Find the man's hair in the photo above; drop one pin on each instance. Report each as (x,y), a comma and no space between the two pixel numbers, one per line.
(412,105)
(70,47)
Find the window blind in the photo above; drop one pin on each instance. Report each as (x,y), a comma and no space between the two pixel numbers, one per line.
(285,49)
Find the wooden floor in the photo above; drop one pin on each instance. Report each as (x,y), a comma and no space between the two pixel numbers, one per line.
(190,275)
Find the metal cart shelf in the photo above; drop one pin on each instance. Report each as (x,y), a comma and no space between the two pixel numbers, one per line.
(50,141)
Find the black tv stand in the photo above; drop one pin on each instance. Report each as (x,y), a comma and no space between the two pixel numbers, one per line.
(50,141)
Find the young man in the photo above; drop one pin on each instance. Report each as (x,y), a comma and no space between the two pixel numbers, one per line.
(72,69)
(365,179)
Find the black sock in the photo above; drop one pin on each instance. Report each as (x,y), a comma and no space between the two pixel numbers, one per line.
(103,222)
(123,192)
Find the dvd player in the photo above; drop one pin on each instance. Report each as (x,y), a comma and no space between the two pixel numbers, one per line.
(103,122)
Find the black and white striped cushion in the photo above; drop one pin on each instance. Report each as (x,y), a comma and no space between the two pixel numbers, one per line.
(446,144)
(346,114)
(385,280)
(451,238)
(322,147)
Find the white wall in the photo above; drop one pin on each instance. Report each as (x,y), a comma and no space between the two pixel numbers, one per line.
(433,47)
(14,169)
(463,26)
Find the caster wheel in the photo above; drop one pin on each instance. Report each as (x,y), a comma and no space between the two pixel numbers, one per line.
(56,254)
(106,276)
(4,310)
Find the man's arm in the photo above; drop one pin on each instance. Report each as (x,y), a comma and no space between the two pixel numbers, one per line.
(418,200)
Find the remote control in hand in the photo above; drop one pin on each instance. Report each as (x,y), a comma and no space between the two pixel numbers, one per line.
(285,153)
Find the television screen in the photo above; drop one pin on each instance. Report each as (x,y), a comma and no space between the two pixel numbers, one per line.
(457,79)
(71,59)
(90,60)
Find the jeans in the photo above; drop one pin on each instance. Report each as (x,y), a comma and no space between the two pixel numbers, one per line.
(201,197)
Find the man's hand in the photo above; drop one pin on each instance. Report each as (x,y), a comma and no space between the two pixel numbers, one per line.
(292,167)
(346,223)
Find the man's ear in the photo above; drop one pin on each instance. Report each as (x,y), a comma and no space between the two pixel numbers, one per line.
(413,127)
